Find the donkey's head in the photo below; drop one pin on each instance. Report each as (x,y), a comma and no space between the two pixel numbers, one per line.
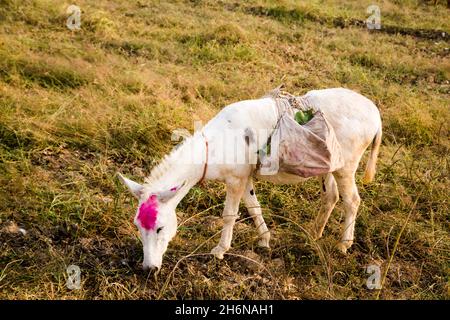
(156,220)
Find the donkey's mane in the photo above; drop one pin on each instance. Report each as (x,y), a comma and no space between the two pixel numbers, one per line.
(168,162)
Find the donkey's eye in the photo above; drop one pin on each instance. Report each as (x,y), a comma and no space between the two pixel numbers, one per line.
(158,230)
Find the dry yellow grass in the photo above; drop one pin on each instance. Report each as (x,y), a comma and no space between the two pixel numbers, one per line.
(77,106)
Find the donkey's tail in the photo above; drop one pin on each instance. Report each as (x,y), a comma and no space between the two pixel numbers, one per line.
(369,174)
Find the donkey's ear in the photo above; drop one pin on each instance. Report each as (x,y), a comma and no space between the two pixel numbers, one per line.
(165,196)
(134,187)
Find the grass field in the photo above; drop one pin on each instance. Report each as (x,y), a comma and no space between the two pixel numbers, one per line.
(78,106)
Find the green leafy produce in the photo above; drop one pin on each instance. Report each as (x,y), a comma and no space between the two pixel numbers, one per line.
(302,117)
(266,148)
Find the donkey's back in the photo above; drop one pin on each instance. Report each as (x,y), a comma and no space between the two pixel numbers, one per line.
(354,118)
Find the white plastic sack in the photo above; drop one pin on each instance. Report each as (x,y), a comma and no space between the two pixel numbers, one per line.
(305,150)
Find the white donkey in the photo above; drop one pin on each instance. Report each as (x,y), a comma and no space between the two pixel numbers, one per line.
(356,122)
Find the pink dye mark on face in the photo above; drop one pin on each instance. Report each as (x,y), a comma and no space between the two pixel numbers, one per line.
(173,189)
(148,212)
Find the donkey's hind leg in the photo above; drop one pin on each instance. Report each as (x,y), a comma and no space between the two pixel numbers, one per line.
(254,209)
(349,192)
(329,197)
(235,190)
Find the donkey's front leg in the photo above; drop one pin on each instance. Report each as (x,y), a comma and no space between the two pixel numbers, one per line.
(235,190)
(254,209)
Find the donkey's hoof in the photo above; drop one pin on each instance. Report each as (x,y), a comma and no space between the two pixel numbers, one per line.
(313,231)
(343,246)
(264,241)
(218,252)
(315,235)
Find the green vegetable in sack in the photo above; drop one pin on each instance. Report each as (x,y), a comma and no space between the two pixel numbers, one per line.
(266,147)
(303,117)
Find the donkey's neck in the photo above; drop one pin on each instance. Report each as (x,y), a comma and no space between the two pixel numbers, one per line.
(184,164)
